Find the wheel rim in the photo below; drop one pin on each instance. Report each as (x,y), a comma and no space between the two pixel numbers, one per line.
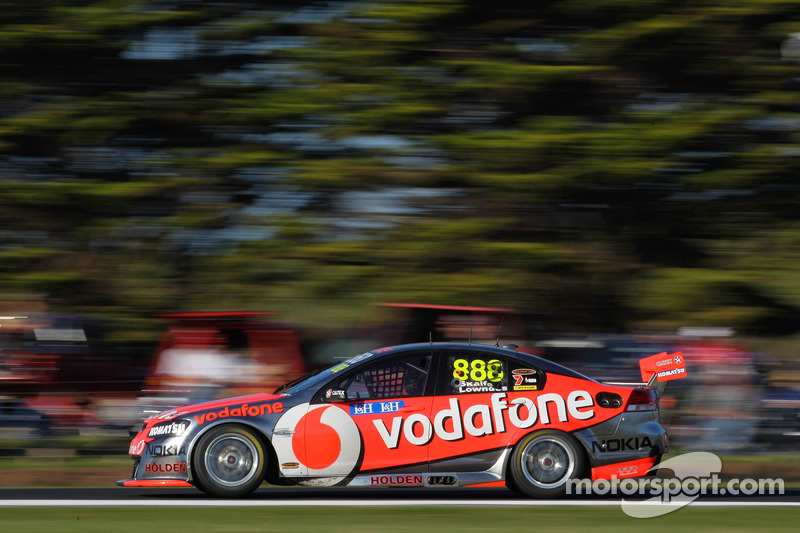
(231,460)
(547,462)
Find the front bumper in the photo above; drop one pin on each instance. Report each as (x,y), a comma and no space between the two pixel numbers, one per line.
(161,464)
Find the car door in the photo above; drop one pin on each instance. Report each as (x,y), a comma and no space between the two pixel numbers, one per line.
(481,401)
(373,417)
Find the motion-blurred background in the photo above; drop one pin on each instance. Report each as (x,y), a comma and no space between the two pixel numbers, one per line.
(204,198)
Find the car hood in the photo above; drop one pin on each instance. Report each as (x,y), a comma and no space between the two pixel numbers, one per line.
(218,404)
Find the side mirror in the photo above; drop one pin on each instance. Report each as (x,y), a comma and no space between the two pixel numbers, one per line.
(335,395)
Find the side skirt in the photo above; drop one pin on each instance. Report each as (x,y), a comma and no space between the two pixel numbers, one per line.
(492,477)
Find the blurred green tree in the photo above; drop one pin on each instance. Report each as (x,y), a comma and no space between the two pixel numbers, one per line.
(616,165)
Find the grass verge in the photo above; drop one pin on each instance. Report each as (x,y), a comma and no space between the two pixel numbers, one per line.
(379,520)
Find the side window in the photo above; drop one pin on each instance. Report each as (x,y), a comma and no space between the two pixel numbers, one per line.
(525,377)
(473,372)
(398,377)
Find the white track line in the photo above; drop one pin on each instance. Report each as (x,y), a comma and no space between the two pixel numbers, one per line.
(367,503)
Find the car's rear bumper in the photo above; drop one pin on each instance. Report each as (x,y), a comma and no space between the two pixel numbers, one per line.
(625,469)
(627,445)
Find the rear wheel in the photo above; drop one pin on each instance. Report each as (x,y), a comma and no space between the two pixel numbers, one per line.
(542,464)
(229,461)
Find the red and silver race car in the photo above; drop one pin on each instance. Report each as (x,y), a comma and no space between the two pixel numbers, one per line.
(421,415)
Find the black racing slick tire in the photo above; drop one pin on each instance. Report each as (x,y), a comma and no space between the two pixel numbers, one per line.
(543,463)
(229,461)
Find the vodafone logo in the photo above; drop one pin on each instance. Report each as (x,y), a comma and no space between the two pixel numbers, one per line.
(136,449)
(321,438)
(325,441)
(480,420)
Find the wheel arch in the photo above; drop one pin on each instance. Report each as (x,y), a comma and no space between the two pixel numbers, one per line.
(269,450)
(581,472)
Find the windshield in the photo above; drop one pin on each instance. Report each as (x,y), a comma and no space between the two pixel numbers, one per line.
(321,376)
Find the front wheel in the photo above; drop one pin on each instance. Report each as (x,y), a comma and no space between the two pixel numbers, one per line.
(229,461)
(542,464)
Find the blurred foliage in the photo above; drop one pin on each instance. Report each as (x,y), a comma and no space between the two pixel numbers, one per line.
(615,165)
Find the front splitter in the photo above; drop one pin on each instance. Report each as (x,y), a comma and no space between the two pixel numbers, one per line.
(153,483)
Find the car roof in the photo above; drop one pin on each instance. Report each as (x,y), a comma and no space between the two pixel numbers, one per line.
(543,364)
(312,382)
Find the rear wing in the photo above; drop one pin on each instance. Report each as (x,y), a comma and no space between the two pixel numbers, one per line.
(660,368)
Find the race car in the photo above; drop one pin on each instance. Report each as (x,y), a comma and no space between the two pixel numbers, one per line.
(417,415)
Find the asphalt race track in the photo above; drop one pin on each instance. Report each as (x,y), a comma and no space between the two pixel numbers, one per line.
(295,496)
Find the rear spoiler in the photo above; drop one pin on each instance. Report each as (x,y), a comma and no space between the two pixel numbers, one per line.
(660,368)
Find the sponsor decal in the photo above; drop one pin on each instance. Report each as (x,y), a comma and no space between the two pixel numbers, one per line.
(525,379)
(670,374)
(339,367)
(290,466)
(169,429)
(324,439)
(632,444)
(396,480)
(376,408)
(442,480)
(665,366)
(241,410)
(481,419)
(359,358)
(162,450)
(164,468)
(136,449)
(336,393)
